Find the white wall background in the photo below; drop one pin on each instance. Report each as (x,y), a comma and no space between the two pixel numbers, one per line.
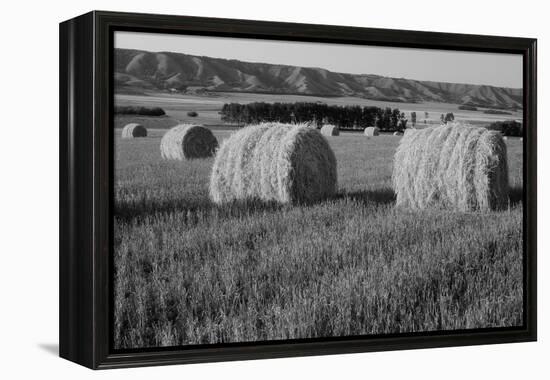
(29,188)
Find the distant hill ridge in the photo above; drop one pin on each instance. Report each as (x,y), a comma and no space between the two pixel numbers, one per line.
(145,70)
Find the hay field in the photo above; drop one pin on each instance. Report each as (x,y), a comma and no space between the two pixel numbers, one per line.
(190,272)
(208,106)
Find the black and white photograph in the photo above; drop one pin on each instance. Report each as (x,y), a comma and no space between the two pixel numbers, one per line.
(275,190)
(280,190)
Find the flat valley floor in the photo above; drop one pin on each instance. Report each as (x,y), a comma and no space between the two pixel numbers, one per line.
(208,108)
(189,272)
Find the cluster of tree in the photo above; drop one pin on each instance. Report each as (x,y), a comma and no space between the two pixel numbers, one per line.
(507,128)
(496,112)
(446,118)
(467,107)
(345,117)
(414,119)
(135,110)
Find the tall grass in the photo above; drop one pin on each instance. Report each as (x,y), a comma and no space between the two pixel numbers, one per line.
(189,272)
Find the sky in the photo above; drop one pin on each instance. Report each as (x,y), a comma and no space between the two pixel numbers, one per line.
(496,69)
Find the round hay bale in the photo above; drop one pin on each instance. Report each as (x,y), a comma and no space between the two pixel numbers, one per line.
(274,162)
(455,166)
(330,130)
(505,138)
(372,131)
(187,141)
(397,134)
(133,130)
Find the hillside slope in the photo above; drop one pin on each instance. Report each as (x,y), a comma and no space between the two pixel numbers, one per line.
(136,69)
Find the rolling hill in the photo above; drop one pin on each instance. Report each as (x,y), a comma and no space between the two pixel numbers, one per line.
(141,70)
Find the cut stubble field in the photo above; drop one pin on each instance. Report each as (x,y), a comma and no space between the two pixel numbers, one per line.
(190,272)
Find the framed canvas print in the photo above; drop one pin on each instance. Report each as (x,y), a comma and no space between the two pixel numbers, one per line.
(237,189)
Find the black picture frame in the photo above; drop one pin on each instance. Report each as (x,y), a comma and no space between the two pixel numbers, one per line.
(86,172)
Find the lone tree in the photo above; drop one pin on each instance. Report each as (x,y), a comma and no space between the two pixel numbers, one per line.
(426,115)
(395,117)
(402,125)
(442,118)
(413,118)
(449,117)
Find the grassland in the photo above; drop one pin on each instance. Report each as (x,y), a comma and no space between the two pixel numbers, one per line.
(189,272)
(208,106)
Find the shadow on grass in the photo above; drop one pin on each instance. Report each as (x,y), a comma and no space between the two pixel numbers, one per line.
(128,210)
(382,196)
(386,196)
(516,195)
(125,210)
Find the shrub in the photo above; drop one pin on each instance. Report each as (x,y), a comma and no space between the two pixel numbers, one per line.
(274,162)
(133,130)
(467,107)
(496,112)
(135,110)
(507,128)
(186,141)
(192,114)
(454,166)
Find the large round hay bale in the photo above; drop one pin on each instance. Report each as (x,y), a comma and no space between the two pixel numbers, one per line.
(274,162)
(133,130)
(454,166)
(372,131)
(330,130)
(397,134)
(187,141)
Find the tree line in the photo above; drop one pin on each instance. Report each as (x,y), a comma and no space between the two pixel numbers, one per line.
(345,117)
(138,110)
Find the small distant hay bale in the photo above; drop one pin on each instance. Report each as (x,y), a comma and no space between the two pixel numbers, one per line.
(372,131)
(133,130)
(505,138)
(284,163)
(187,141)
(330,130)
(397,134)
(454,166)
